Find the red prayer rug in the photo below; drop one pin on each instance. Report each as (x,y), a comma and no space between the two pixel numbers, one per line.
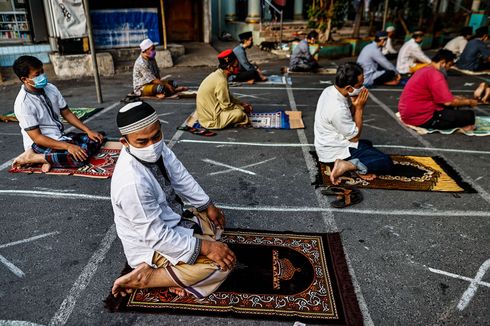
(278,275)
(99,166)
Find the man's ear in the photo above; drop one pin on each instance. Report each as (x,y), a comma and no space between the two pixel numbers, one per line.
(124,141)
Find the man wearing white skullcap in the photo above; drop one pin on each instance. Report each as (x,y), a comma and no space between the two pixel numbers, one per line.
(166,246)
(146,75)
(388,47)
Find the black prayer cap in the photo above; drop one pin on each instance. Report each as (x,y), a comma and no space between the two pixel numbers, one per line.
(135,116)
(245,36)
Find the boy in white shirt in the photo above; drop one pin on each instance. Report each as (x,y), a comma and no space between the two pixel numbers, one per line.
(457,44)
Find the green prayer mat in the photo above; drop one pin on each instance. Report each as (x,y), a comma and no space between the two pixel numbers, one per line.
(80,113)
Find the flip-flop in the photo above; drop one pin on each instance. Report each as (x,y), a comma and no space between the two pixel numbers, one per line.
(196,131)
(345,196)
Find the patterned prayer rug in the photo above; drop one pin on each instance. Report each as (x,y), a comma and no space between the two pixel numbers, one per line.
(81,113)
(99,166)
(278,275)
(482,128)
(421,173)
(278,80)
(277,120)
(471,72)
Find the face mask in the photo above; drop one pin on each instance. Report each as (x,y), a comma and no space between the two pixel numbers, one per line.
(356,91)
(152,54)
(40,81)
(149,154)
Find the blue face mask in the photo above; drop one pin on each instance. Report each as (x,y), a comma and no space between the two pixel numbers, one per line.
(40,81)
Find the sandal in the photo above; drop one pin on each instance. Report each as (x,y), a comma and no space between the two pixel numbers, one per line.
(196,131)
(345,196)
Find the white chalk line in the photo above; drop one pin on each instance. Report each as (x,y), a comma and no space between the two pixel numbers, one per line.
(328,216)
(473,287)
(481,192)
(10,244)
(14,269)
(243,167)
(306,209)
(65,310)
(10,134)
(17,323)
(460,277)
(206,160)
(321,89)
(8,163)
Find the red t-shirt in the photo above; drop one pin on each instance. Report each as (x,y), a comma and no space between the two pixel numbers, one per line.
(426,92)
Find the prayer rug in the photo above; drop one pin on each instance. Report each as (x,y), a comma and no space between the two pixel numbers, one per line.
(278,275)
(277,120)
(420,173)
(81,113)
(99,166)
(471,72)
(482,128)
(320,71)
(278,80)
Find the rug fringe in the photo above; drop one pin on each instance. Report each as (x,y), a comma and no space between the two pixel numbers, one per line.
(450,171)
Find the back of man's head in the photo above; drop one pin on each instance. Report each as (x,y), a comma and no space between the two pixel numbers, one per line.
(445,55)
(23,65)
(312,34)
(348,74)
(466,31)
(418,34)
(481,32)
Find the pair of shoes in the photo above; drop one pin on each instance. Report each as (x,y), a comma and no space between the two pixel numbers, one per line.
(345,196)
(197,131)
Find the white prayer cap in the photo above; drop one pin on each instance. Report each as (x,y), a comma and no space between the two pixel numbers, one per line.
(135,116)
(390,29)
(146,44)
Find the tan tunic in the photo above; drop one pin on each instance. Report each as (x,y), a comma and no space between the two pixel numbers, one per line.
(216,107)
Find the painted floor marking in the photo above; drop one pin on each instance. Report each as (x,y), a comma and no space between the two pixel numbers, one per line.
(242,167)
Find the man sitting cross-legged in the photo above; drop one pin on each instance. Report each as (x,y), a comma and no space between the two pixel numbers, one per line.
(249,72)
(338,126)
(216,107)
(164,248)
(427,101)
(39,107)
(146,75)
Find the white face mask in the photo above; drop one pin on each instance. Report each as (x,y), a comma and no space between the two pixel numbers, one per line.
(356,91)
(149,154)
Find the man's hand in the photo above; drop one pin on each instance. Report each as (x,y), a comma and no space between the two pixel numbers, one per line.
(168,87)
(95,136)
(359,101)
(216,216)
(219,253)
(77,152)
(472,102)
(247,107)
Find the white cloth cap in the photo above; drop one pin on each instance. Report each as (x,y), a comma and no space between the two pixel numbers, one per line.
(390,28)
(146,44)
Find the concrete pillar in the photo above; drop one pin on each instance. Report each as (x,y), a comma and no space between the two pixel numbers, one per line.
(298,10)
(253,16)
(230,10)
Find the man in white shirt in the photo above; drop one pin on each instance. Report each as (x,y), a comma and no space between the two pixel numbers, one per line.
(39,107)
(388,50)
(411,57)
(457,44)
(338,126)
(165,246)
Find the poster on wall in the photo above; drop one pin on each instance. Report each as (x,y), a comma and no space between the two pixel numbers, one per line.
(124,27)
(69,18)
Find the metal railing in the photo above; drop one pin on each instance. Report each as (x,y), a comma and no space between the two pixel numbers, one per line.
(268,3)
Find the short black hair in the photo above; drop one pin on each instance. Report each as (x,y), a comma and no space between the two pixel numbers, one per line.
(418,34)
(348,74)
(225,66)
(312,34)
(466,31)
(482,31)
(23,65)
(444,54)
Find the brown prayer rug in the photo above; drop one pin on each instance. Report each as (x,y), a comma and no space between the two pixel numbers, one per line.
(99,166)
(278,275)
(420,173)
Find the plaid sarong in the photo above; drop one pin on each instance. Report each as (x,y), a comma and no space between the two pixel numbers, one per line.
(63,159)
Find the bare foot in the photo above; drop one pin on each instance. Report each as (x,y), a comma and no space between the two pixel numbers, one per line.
(479,91)
(250,82)
(486,97)
(137,279)
(181,89)
(393,82)
(176,290)
(339,168)
(46,167)
(27,158)
(368,176)
(160,95)
(468,128)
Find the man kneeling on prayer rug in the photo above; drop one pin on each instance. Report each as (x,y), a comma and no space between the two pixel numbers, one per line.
(166,246)
(338,126)
(39,107)
(216,107)
(146,75)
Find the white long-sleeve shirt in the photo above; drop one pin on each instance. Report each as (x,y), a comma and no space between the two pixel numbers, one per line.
(334,126)
(144,220)
(388,48)
(410,53)
(457,45)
